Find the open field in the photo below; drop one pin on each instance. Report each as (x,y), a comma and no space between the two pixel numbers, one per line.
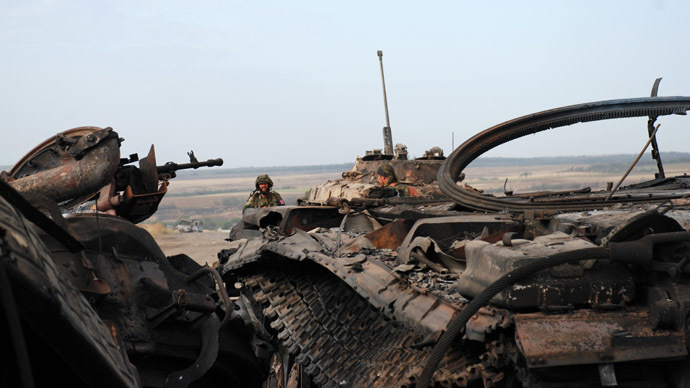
(202,247)
(559,177)
(223,207)
(217,199)
(243,185)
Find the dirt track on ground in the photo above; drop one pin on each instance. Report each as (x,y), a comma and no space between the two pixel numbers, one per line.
(202,247)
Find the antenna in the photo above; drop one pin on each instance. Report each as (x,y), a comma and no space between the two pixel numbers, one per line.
(387,136)
(650,128)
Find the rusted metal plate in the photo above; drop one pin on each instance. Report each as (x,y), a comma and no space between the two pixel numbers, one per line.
(309,217)
(43,156)
(391,235)
(73,177)
(139,207)
(407,171)
(446,230)
(289,218)
(559,286)
(589,337)
(149,172)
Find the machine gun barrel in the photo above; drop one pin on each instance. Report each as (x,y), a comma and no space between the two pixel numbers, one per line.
(170,167)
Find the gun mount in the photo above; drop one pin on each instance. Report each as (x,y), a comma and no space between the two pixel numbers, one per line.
(88,298)
(83,166)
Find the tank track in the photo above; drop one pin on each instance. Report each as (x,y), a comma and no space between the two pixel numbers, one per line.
(342,341)
(451,170)
(37,282)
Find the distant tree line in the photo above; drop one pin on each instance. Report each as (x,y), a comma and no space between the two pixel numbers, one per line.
(254,171)
(666,157)
(209,192)
(234,202)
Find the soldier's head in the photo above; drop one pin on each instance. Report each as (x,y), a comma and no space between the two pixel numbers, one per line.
(385,174)
(263,183)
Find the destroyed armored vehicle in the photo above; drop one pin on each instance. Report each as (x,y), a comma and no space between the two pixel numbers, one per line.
(88,297)
(190,226)
(460,288)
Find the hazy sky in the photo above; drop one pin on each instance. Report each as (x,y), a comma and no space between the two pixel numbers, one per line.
(262,83)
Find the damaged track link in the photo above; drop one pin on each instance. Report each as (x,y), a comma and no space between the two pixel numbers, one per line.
(341,340)
(461,157)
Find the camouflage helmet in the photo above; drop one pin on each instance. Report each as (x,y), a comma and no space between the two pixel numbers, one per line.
(387,171)
(263,178)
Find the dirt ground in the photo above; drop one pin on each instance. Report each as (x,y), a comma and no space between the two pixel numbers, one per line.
(202,247)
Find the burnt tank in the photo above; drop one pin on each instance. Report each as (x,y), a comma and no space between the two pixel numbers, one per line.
(88,297)
(458,288)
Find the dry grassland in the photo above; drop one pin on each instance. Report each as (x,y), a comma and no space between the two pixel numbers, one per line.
(558,177)
(218,201)
(242,186)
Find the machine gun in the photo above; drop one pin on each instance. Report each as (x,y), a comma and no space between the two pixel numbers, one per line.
(137,192)
(167,171)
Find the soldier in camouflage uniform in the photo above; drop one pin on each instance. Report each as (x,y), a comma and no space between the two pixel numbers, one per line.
(263,196)
(385,175)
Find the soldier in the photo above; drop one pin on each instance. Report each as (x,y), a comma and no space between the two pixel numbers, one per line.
(263,196)
(385,175)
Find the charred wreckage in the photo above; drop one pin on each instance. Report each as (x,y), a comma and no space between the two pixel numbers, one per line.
(353,286)
(88,298)
(457,288)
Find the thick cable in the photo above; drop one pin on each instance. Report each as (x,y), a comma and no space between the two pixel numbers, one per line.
(457,326)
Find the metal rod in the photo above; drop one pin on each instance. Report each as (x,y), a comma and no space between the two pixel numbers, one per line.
(652,136)
(387,136)
(383,81)
(650,127)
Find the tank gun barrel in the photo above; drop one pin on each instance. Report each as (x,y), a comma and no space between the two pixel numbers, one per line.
(387,136)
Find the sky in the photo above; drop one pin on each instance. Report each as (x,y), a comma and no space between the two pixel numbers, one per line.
(267,83)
